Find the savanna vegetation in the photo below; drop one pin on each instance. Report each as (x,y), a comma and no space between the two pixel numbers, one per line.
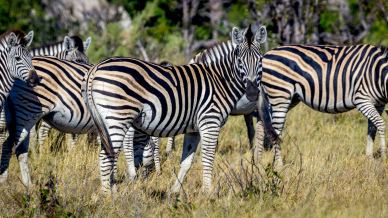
(326,172)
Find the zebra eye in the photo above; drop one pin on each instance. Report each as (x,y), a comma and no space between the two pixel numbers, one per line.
(18,58)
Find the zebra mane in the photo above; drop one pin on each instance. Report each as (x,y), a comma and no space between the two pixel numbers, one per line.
(19,34)
(79,44)
(213,53)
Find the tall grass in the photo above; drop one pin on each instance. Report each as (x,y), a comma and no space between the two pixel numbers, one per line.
(326,173)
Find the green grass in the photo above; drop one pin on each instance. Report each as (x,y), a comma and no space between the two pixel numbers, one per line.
(326,174)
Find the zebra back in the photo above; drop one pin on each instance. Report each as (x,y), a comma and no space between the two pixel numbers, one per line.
(71,49)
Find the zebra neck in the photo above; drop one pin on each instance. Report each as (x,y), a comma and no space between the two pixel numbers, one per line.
(228,82)
(48,50)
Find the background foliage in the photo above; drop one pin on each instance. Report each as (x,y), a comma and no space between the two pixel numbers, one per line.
(160,29)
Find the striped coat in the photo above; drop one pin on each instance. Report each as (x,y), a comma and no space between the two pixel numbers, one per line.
(124,94)
(330,79)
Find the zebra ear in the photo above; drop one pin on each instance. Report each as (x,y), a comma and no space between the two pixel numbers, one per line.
(12,40)
(87,43)
(237,36)
(28,38)
(68,43)
(261,35)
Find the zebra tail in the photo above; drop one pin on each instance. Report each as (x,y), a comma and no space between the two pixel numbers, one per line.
(265,111)
(98,122)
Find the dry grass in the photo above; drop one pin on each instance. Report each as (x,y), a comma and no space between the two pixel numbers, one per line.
(326,173)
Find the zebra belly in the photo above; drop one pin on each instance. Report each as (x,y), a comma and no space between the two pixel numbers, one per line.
(154,124)
(64,123)
(331,107)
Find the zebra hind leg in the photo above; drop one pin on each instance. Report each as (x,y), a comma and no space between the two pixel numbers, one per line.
(170,145)
(156,155)
(129,152)
(71,140)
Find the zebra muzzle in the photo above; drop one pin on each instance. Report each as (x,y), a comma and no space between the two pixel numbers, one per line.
(252,91)
(33,78)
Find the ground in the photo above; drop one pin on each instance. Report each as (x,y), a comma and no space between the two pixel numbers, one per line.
(326,174)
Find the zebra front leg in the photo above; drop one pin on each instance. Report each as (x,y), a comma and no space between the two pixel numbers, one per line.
(250,129)
(43,132)
(6,156)
(374,117)
(209,137)
(372,130)
(22,156)
(3,127)
(170,145)
(190,144)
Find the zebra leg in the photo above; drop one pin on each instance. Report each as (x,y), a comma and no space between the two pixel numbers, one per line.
(259,146)
(279,113)
(106,172)
(372,130)
(170,145)
(190,143)
(43,132)
(3,127)
(155,144)
(209,136)
(6,156)
(250,129)
(108,164)
(33,138)
(98,139)
(374,117)
(22,156)
(129,152)
(71,139)
(10,123)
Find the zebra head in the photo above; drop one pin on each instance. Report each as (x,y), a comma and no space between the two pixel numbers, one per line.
(74,49)
(247,60)
(19,58)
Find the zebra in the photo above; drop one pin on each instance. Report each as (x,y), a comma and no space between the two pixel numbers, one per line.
(330,79)
(15,61)
(58,101)
(124,94)
(72,49)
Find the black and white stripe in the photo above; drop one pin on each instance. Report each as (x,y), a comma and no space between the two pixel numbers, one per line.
(124,94)
(57,99)
(330,79)
(15,61)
